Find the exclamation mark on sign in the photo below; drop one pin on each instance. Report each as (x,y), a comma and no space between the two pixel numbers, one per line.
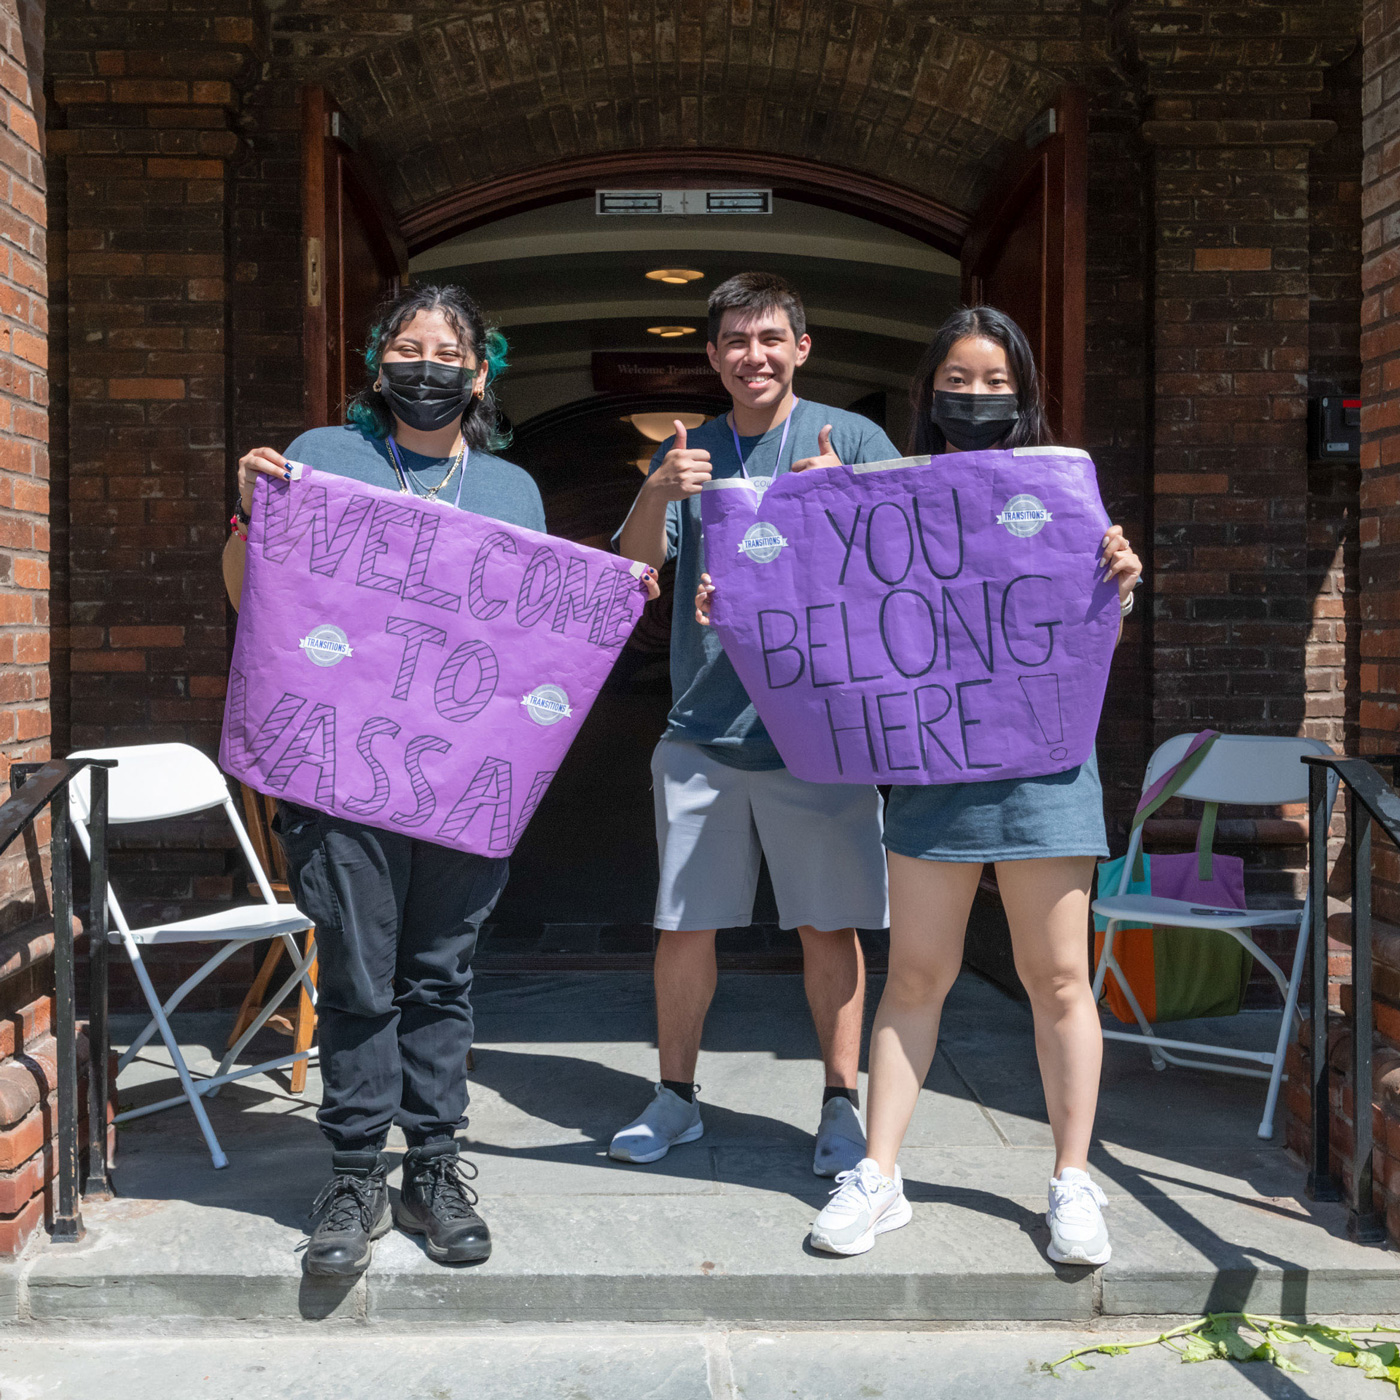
(1043,696)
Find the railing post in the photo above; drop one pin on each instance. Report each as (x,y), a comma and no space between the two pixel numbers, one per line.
(1363,1225)
(98,1186)
(67,1216)
(1322,1185)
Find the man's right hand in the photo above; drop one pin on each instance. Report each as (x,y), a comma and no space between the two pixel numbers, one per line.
(260,459)
(683,470)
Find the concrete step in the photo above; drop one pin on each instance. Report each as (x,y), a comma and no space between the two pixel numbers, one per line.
(638,1363)
(1202,1214)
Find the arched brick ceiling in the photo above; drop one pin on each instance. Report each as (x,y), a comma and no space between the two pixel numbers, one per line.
(447,96)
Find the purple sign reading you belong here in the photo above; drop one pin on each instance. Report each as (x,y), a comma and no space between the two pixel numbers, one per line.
(919,621)
(413,666)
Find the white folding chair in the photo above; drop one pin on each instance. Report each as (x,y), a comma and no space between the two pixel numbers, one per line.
(1242,770)
(158,782)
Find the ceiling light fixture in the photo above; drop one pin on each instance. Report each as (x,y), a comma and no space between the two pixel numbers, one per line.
(657,427)
(676,276)
(670,332)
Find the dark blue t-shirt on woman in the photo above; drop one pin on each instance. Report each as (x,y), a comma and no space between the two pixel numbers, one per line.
(490,486)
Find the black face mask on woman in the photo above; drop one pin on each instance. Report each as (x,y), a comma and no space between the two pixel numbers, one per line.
(425,394)
(973,422)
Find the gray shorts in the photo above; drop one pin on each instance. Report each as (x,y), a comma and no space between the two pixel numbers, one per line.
(713,822)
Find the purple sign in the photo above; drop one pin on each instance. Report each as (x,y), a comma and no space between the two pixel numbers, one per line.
(919,621)
(412,666)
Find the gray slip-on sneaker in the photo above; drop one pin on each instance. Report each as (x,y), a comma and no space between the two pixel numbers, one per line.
(840,1138)
(667,1122)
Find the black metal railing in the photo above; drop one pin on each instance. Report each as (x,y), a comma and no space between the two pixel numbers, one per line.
(1370,800)
(34,786)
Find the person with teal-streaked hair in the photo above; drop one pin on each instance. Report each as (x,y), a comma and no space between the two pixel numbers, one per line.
(396,917)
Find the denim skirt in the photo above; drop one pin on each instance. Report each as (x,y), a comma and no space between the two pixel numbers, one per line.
(1006,819)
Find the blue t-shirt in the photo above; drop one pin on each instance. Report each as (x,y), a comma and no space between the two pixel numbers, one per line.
(489,485)
(710,706)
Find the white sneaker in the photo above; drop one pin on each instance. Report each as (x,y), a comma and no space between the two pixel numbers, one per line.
(863,1205)
(1077,1232)
(840,1139)
(667,1122)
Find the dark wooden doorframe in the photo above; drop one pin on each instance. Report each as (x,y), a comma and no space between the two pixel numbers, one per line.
(346,222)
(1037,207)
(790,177)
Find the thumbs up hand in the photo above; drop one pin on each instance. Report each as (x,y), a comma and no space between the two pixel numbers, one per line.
(683,470)
(826,454)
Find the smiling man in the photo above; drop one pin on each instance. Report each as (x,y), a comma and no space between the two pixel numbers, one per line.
(722,795)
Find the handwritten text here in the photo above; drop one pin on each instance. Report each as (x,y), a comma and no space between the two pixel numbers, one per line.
(919,621)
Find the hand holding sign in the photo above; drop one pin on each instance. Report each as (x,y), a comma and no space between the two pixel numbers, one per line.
(921,621)
(1122,564)
(683,471)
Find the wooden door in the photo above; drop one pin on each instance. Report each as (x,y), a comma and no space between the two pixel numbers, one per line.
(352,255)
(1025,253)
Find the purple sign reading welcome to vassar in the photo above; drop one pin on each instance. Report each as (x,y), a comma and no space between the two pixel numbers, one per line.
(411,665)
(919,621)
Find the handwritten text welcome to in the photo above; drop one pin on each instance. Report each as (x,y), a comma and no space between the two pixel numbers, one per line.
(413,666)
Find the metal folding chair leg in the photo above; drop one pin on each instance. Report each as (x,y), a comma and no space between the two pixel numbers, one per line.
(175,998)
(299,969)
(211,1141)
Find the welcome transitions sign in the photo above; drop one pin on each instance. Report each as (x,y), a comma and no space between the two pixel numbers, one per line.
(413,666)
(922,620)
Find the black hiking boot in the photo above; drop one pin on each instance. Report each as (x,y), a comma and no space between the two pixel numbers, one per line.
(437,1202)
(354,1209)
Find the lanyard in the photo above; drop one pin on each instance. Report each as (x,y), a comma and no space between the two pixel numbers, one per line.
(782,443)
(405,490)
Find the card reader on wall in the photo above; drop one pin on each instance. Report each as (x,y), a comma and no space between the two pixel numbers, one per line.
(1334,429)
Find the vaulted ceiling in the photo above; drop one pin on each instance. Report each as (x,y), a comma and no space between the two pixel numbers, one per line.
(929,95)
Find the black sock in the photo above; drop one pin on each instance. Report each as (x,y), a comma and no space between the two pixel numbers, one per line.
(835,1091)
(685,1091)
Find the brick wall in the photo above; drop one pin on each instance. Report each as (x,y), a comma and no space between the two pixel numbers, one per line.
(1334,367)
(24,464)
(144,146)
(145,140)
(1116,418)
(1359,566)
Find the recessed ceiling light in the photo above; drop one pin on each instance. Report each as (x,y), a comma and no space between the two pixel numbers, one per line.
(657,427)
(670,332)
(676,276)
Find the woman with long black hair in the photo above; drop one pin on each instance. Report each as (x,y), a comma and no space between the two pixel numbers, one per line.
(397,918)
(977,388)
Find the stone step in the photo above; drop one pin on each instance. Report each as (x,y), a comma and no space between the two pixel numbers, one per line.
(1203,1215)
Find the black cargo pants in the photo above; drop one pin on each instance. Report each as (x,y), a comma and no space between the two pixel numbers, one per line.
(396,926)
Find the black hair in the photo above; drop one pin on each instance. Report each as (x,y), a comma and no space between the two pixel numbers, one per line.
(368,408)
(756,292)
(1029,430)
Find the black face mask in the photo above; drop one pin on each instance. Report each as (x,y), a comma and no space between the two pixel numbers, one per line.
(425,394)
(973,422)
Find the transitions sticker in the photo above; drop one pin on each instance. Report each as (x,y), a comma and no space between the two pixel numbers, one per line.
(762,543)
(326,645)
(547,704)
(1024,516)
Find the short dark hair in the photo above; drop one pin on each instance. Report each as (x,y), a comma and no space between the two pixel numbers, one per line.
(984,322)
(756,292)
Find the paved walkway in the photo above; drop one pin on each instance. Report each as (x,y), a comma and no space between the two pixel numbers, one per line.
(1203,1215)
(640,1363)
